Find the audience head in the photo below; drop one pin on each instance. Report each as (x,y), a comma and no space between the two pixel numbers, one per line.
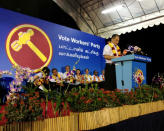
(67,68)
(86,71)
(95,73)
(78,71)
(46,70)
(54,71)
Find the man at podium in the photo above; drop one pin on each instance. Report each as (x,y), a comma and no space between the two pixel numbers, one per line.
(111,51)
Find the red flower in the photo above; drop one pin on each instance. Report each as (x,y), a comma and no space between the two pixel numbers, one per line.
(37,94)
(106,92)
(34,97)
(99,99)
(82,98)
(30,108)
(155,95)
(101,89)
(118,90)
(23,94)
(126,90)
(15,105)
(26,95)
(31,98)
(65,105)
(75,94)
(4,112)
(88,101)
(22,102)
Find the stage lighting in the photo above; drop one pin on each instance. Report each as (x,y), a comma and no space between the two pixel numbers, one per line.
(112,9)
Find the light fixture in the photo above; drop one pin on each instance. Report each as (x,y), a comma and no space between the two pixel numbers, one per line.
(112,9)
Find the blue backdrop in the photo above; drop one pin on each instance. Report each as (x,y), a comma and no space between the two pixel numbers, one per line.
(68,44)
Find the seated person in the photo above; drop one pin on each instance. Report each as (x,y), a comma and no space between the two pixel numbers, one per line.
(68,76)
(56,77)
(78,77)
(87,77)
(42,81)
(43,75)
(95,77)
(102,77)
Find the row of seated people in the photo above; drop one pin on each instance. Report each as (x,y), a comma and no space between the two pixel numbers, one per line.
(70,76)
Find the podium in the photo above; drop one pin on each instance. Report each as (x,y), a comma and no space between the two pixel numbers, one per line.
(131,71)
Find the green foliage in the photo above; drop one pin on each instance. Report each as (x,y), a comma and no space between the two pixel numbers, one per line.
(23,107)
(85,99)
(30,88)
(26,107)
(92,98)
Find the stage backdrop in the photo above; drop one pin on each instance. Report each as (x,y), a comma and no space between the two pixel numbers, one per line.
(35,43)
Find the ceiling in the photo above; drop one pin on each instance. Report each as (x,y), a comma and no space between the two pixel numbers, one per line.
(133,15)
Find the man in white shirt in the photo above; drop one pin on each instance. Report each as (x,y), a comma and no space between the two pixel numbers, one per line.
(87,77)
(69,75)
(102,77)
(111,51)
(42,74)
(56,77)
(95,77)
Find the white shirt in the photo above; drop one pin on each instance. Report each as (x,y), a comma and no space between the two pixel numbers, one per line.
(40,75)
(95,78)
(57,79)
(76,77)
(101,77)
(88,77)
(108,51)
(65,75)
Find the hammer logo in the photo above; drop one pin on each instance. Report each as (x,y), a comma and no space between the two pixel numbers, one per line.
(24,38)
(29,46)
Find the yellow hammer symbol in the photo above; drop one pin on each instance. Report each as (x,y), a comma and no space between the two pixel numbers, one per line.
(24,38)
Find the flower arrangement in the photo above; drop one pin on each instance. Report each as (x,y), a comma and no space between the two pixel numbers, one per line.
(158,80)
(92,98)
(22,75)
(138,77)
(23,107)
(86,99)
(133,50)
(33,105)
(29,106)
